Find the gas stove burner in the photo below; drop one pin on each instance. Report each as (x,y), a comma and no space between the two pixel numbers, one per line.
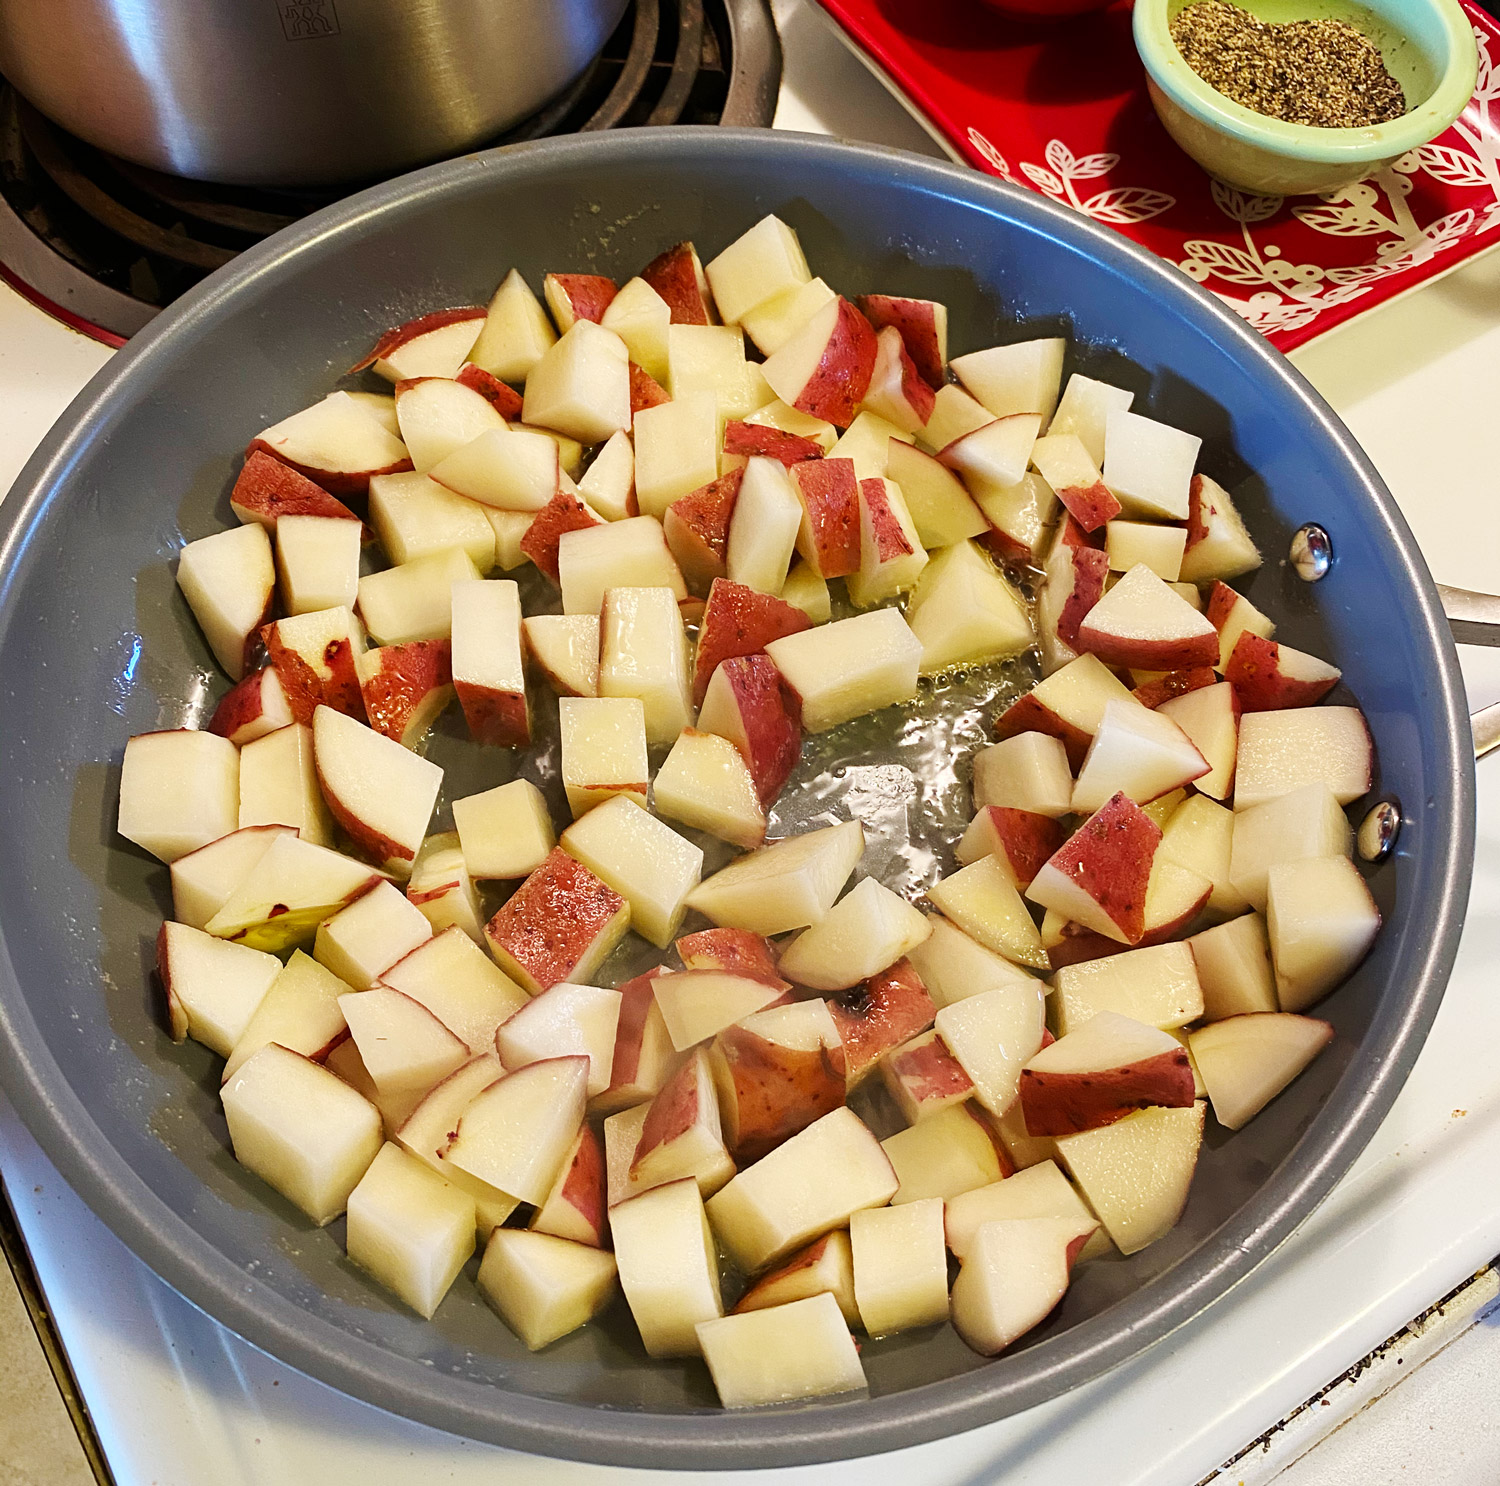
(105,244)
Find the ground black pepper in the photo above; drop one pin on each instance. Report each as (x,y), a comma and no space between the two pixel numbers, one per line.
(1324,73)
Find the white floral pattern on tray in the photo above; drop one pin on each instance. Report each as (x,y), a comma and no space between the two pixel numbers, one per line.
(1290,268)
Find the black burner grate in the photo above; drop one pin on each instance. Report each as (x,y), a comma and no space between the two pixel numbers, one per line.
(111,242)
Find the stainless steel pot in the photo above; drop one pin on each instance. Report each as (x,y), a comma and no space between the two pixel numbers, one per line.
(295,92)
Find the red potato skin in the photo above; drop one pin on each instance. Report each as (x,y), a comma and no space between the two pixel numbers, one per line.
(879,1014)
(739,621)
(802,1259)
(841,378)
(267,489)
(915,391)
(890,540)
(1105,856)
(645,390)
(584,1186)
(408,676)
(588,295)
(697,528)
(563,513)
(1200,510)
(750,439)
(1028,839)
(1221,601)
(928,1072)
(409,330)
(673,1110)
(370,843)
(1079,945)
(1027,715)
(1068,1103)
(239,708)
(499,718)
(177,1018)
(1260,685)
(915,321)
(503,398)
(336,482)
(1090,569)
(677,276)
(549,923)
(1150,655)
(1175,684)
(1090,505)
(1006,549)
(769,1092)
(1071,534)
(636,1001)
(737,951)
(770,717)
(333,683)
(829,492)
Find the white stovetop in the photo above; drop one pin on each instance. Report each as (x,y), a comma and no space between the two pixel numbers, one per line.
(179,1401)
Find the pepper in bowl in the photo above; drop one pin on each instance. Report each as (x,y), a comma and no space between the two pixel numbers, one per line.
(1285,97)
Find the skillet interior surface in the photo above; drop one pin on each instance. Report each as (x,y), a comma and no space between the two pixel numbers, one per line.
(96,645)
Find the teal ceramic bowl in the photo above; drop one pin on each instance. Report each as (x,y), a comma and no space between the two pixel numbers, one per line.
(1428,45)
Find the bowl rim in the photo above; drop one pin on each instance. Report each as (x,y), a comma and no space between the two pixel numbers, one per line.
(826,1430)
(1168,70)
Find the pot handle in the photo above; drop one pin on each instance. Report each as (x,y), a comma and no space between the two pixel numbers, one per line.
(1475,620)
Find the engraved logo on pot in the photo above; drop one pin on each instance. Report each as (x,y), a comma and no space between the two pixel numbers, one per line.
(302,20)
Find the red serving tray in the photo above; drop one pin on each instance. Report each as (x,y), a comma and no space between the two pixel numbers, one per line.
(1063,110)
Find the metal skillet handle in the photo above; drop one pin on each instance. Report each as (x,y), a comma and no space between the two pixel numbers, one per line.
(1475,620)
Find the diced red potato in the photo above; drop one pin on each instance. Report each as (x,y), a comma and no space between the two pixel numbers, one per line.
(1233,615)
(267,488)
(645,391)
(1164,686)
(924,1078)
(251,708)
(897,391)
(430,345)
(1099,1073)
(558,925)
(697,529)
(1142,622)
(500,395)
(825,368)
(1267,677)
(577,296)
(337,443)
(996,453)
(1067,467)
(776,1072)
(563,513)
(1218,546)
(922,325)
(1021,839)
(739,621)
(1019,517)
(743,440)
(405,687)
(1282,751)
(1024,377)
(829,535)
(748,703)
(1099,876)
(677,276)
(1149,465)
(1068,705)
